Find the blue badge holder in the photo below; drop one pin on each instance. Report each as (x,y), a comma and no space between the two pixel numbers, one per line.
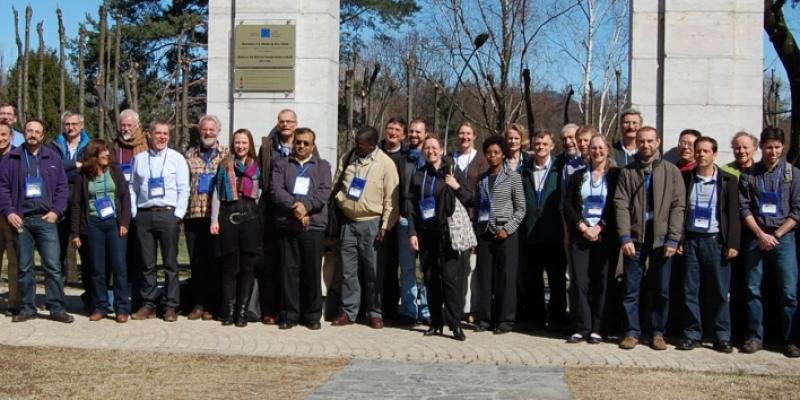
(205,183)
(127,171)
(105,208)
(427,207)
(156,188)
(356,188)
(701,220)
(769,202)
(33,187)
(594,206)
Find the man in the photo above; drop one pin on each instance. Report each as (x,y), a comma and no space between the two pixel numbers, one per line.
(744,146)
(769,197)
(543,240)
(650,201)
(8,115)
(159,197)
(33,196)
(203,161)
(300,188)
(7,244)
(683,154)
(711,240)
(70,145)
(626,148)
(276,146)
(369,201)
(130,141)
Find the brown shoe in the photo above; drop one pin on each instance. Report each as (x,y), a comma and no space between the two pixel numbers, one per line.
(196,314)
(629,342)
(658,343)
(96,316)
(144,313)
(170,315)
(376,323)
(121,318)
(341,320)
(269,320)
(207,316)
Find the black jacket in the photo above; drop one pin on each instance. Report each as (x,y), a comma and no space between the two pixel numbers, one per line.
(573,204)
(444,195)
(730,225)
(79,204)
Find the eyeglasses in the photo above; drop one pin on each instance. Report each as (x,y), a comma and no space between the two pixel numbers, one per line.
(302,143)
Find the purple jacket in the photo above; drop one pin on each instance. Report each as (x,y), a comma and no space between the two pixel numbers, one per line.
(12,181)
(284,172)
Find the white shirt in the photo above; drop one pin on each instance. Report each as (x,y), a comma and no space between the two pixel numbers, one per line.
(168,164)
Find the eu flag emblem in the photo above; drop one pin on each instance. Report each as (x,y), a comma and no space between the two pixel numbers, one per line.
(266,33)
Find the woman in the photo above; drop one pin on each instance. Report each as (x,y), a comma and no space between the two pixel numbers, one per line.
(499,201)
(589,215)
(434,191)
(100,215)
(517,139)
(234,217)
(469,164)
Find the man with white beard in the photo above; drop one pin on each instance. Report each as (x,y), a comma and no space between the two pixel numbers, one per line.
(203,161)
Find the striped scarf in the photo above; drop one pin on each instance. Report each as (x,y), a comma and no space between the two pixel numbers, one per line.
(235,178)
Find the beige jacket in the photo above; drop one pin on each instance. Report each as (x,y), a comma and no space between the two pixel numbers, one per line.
(381,196)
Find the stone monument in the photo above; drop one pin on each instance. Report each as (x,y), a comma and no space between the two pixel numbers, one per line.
(265,56)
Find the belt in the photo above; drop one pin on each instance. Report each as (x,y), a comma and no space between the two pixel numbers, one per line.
(157,209)
(237,218)
(700,235)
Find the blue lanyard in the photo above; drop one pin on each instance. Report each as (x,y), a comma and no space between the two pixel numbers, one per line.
(356,173)
(150,169)
(105,188)
(485,187)
(28,163)
(540,191)
(778,178)
(602,183)
(433,182)
(303,169)
(210,155)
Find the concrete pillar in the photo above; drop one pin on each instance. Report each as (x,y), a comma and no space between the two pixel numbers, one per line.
(316,74)
(711,54)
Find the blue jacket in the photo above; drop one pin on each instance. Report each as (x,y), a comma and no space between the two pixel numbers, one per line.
(59,144)
(12,181)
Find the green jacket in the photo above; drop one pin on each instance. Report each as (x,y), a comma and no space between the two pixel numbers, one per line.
(543,222)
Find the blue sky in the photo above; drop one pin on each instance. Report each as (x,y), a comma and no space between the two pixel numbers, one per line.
(75,12)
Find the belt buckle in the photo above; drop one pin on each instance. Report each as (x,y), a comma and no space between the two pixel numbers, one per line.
(235,218)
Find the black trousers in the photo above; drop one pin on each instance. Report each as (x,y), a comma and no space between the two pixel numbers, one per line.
(64,231)
(159,228)
(538,258)
(589,272)
(391,275)
(205,269)
(496,268)
(443,277)
(241,250)
(301,294)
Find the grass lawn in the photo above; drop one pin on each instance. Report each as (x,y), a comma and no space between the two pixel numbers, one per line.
(44,372)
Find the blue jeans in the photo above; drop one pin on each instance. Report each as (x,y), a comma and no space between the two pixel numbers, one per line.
(105,243)
(784,259)
(38,233)
(706,261)
(657,285)
(410,290)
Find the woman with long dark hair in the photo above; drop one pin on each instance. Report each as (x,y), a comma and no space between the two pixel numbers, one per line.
(234,217)
(100,216)
(434,191)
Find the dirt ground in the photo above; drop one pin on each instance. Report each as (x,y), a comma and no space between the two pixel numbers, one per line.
(46,373)
(649,384)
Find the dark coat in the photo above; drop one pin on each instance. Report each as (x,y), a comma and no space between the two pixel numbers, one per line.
(79,204)
(12,181)
(543,221)
(445,197)
(730,225)
(284,172)
(573,204)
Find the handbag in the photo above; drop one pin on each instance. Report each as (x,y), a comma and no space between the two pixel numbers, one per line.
(334,212)
(462,236)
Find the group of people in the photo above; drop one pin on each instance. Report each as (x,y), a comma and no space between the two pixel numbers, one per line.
(605,222)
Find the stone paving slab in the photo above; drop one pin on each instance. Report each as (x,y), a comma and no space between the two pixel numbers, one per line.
(369,379)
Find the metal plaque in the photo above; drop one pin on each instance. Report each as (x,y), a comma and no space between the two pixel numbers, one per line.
(264,46)
(263,80)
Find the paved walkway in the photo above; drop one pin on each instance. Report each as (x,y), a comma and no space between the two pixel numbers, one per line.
(362,343)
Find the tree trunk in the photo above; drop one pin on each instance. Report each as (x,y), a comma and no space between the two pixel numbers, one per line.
(40,74)
(20,64)
(177,139)
(185,103)
(526,76)
(789,54)
(23,109)
(62,43)
(117,36)
(100,81)
(81,70)
(410,65)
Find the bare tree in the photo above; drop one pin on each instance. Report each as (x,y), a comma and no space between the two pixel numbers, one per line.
(40,74)
(23,109)
(101,75)
(116,67)
(788,52)
(81,70)
(62,43)
(20,62)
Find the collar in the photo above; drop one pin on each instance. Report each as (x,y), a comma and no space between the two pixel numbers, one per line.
(155,153)
(537,167)
(703,179)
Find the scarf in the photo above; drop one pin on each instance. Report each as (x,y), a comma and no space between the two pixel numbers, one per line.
(138,143)
(237,177)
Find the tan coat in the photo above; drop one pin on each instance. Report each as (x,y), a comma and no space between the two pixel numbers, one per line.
(381,197)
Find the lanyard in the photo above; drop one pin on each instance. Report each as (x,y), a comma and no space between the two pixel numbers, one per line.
(28,163)
(601,186)
(540,190)
(485,187)
(150,169)
(697,193)
(303,169)
(356,173)
(778,177)
(433,182)
(210,155)
(105,187)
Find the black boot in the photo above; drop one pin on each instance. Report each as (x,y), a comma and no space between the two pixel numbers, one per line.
(241,316)
(227,312)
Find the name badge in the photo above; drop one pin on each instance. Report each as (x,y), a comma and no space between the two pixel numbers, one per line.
(648,216)
(205,183)
(155,187)
(356,188)
(594,206)
(105,208)
(484,211)
(428,208)
(127,171)
(302,184)
(769,204)
(702,218)
(33,187)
